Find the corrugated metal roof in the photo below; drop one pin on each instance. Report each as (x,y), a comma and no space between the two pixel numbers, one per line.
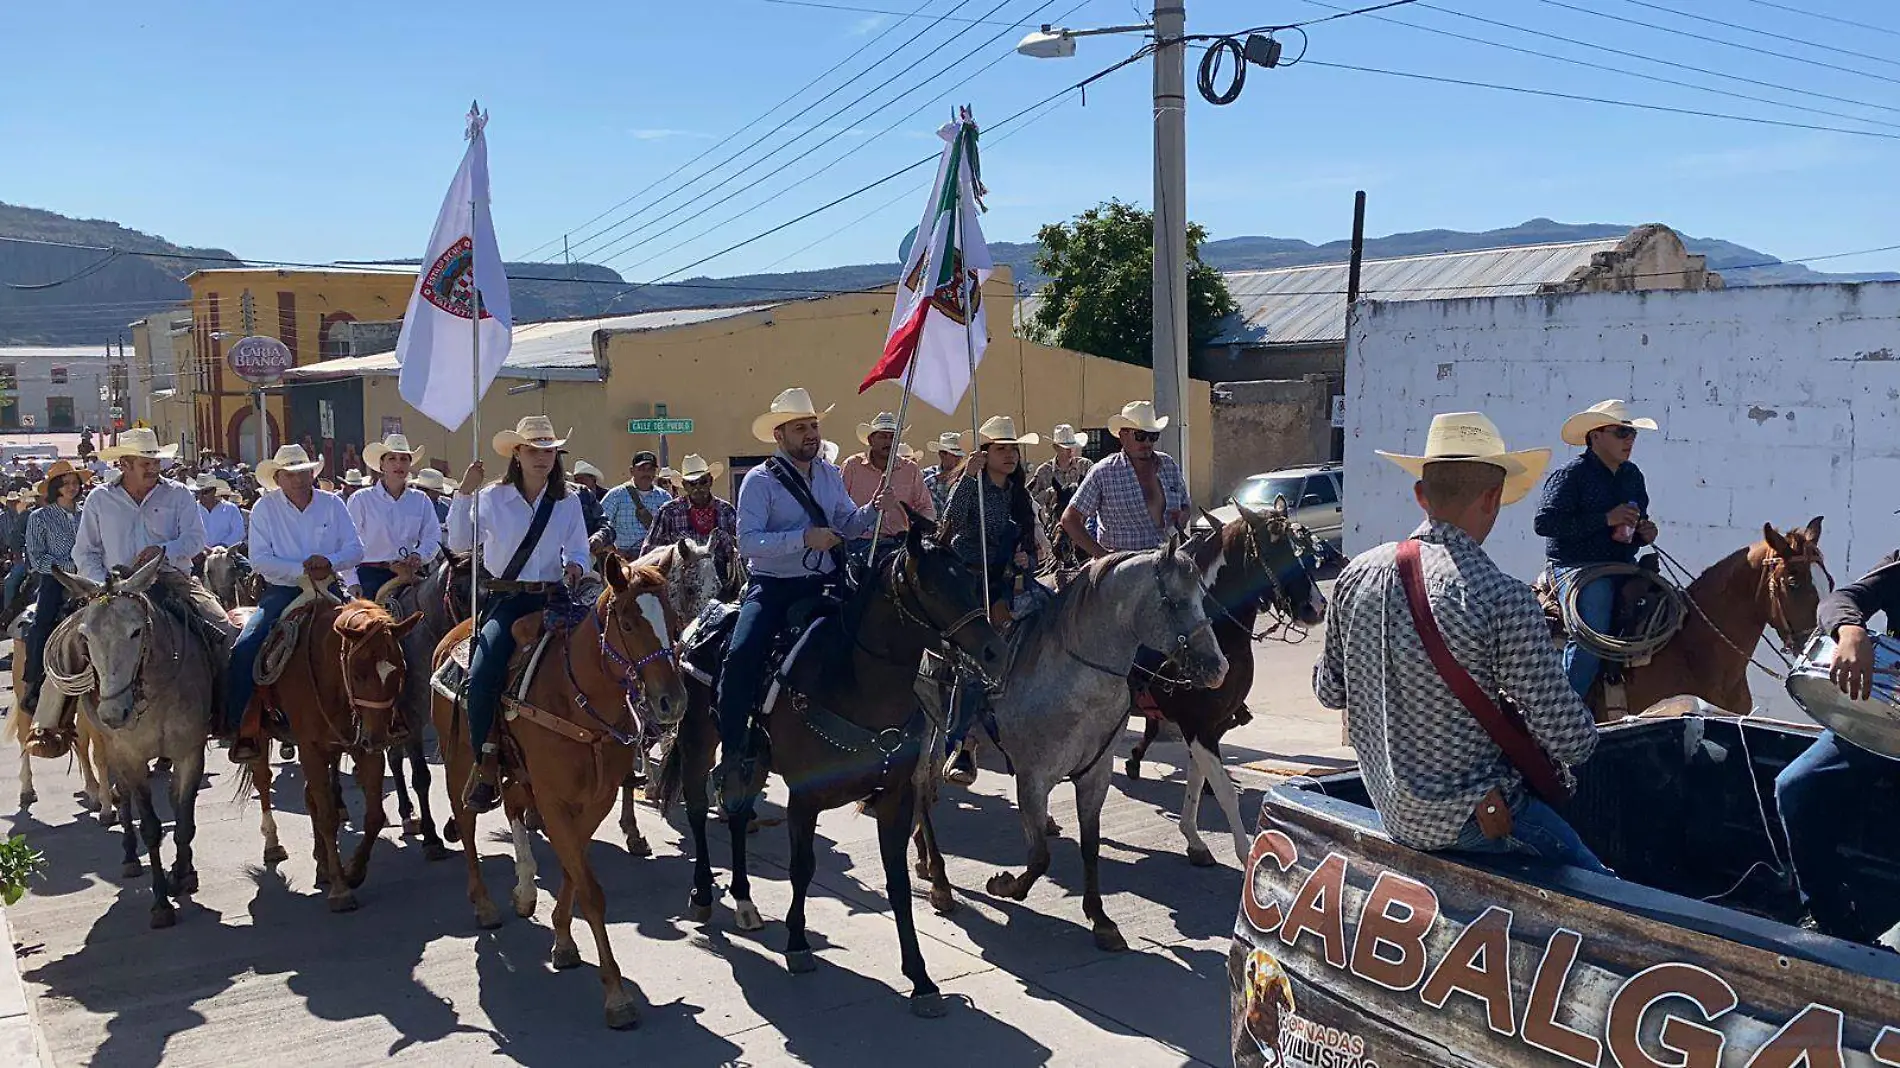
(1307,305)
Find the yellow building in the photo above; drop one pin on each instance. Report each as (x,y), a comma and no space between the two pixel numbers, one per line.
(720,367)
(311,310)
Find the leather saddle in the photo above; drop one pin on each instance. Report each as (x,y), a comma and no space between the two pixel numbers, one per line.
(703,643)
(1635,603)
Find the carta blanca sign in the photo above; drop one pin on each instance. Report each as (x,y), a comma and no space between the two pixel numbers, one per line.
(260,359)
(659,426)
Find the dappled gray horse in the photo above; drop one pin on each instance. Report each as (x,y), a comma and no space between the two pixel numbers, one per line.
(442,596)
(1065,702)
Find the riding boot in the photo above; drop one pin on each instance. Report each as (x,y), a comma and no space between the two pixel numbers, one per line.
(961,767)
(730,784)
(483,792)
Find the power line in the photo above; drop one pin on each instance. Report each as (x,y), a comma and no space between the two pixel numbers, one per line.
(881,11)
(1718,40)
(1763,33)
(1339,15)
(1828,18)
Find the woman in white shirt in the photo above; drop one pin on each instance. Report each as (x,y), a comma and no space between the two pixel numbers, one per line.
(559,553)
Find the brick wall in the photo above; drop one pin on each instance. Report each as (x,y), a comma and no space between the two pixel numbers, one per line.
(1263,426)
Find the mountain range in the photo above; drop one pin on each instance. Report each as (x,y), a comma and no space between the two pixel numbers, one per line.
(51,294)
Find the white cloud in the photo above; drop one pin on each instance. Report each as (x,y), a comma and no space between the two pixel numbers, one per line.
(650,134)
(864,26)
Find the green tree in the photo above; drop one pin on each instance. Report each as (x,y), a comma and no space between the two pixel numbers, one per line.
(1100,294)
(19,863)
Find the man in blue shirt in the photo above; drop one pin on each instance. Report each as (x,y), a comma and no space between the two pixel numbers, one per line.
(631,506)
(1595,511)
(791,557)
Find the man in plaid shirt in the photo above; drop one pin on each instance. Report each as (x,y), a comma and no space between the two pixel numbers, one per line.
(1135,496)
(1428,763)
(699,515)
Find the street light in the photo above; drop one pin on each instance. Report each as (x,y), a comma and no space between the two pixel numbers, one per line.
(1170,355)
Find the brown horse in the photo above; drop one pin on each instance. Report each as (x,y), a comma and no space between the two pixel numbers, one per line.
(339,690)
(571,745)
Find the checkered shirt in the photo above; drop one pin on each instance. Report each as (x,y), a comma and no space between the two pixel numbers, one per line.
(1111,494)
(1425,758)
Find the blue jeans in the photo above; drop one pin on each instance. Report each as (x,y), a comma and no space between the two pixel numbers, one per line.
(371,579)
(488,662)
(761,617)
(1537,831)
(1828,797)
(240,679)
(47,607)
(1596,603)
(14,578)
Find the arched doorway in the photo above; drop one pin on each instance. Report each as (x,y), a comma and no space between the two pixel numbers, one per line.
(241,436)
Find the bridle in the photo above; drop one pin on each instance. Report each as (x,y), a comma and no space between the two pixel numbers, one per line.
(348,646)
(626,671)
(1171,607)
(89,678)
(1278,603)
(897,588)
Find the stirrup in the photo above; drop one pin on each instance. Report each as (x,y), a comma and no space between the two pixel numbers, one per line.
(483,791)
(721,783)
(48,744)
(960,768)
(245,750)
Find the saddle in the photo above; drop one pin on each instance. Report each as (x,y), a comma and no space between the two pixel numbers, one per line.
(534,635)
(703,643)
(281,642)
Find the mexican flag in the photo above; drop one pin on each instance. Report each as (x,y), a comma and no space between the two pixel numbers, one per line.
(938,332)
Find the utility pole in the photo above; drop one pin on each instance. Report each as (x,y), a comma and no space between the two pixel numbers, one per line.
(247,308)
(1170,231)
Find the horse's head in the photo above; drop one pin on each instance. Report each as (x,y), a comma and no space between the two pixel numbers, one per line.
(1794,600)
(637,627)
(1170,616)
(932,583)
(1270,552)
(116,626)
(692,577)
(374,670)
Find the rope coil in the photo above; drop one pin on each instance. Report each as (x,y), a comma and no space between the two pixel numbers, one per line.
(1654,631)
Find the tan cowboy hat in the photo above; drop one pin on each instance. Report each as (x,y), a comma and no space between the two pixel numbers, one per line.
(792,404)
(1609,413)
(885,422)
(1001,430)
(695,467)
(355,478)
(60,467)
(373,455)
(829,450)
(138,441)
(205,483)
(1472,437)
(1064,436)
(327,485)
(430,479)
(534,430)
(582,467)
(905,452)
(290,458)
(949,441)
(1137,415)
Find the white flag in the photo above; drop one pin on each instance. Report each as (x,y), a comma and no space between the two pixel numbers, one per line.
(939,321)
(437,349)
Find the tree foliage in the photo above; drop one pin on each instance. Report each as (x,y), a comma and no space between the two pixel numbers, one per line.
(1100,295)
(19,863)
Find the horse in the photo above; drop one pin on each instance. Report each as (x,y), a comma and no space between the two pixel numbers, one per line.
(347,706)
(1254,562)
(1065,701)
(97,794)
(847,729)
(574,735)
(119,644)
(442,598)
(226,571)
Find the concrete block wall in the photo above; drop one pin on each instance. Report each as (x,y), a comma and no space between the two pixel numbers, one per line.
(1266,425)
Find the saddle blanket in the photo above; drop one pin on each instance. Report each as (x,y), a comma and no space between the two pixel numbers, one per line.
(451,679)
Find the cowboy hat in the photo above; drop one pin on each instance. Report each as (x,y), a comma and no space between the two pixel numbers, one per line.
(1137,415)
(1471,437)
(883,422)
(1577,428)
(536,431)
(327,485)
(1001,430)
(60,467)
(830,451)
(430,479)
(1064,436)
(582,467)
(138,441)
(905,452)
(949,441)
(355,478)
(695,467)
(289,458)
(792,404)
(373,455)
(208,482)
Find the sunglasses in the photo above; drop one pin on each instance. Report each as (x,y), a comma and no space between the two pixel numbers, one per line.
(1621,433)
(1147,435)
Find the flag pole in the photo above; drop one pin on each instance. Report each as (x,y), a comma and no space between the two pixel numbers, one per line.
(976,434)
(475,390)
(890,462)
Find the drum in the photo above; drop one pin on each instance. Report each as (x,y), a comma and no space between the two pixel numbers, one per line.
(1872,724)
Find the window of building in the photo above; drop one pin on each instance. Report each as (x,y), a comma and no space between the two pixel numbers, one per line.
(59,376)
(59,413)
(9,376)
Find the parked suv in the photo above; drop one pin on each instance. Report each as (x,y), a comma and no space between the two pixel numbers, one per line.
(1310,495)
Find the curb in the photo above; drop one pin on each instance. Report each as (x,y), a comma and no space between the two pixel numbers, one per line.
(20,1040)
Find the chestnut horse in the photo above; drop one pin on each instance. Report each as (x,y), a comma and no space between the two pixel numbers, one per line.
(573,743)
(339,690)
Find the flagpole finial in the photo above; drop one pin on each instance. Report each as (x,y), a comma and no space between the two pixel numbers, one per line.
(477,120)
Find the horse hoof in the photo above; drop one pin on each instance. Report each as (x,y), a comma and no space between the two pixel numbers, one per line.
(929,1006)
(745,915)
(27,797)
(450,832)
(275,855)
(323,877)
(532,819)
(525,902)
(943,902)
(1132,767)
(1200,856)
(411,827)
(487,916)
(638,847)
(565,957)
(623,1016)
(353,876)
(184,883)
(132,870)
(1110,938)
(434,851)
(800,961)
(344,902)
(88,802)
(108,817)
(920,870)
(164,916)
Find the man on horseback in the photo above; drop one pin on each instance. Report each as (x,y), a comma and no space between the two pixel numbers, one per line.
(631,506)
(396,524)
(1136,496)
(1595,511)
(700,515)
(1422,632)
(864,475)
(794,516)
(941,477)
(50,535)
(224,524)
(298,533)
(1066,472)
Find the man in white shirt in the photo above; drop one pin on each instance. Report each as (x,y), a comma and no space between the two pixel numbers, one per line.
(224,523)
(141,517)
(397,524)
(297,531)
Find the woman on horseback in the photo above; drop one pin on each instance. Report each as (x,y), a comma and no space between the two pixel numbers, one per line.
(50,533)
(534,528)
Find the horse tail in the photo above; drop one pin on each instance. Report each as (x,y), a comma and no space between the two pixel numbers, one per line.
(246,785)
(672,773)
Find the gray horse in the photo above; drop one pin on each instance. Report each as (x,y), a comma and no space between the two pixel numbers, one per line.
(146,682)
(1065,702)
(442,596)
(226,570)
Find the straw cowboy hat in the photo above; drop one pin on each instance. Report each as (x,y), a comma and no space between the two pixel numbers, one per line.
(60,467)
(289,458)
(829,450)
(905,452)
(883,422)
(1064,436)
(1470,436)
(355,478)
(582,467)
(430,479)
(373,455)
(1609,413)
(138,441)
(205,483)
(533,430)
(695,467)
(1001,430)
(792,404)
(1137,415)
(949,441)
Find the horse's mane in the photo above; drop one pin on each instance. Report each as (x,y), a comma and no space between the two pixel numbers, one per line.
(641,576)
(1073,602)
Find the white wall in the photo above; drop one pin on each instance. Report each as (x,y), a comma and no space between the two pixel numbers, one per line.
(1777,404)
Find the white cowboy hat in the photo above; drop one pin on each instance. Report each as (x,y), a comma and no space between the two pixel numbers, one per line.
(429,478)
(290,458)
(1137,415)
(1001,430)
(1472,437)
(205,483)
(792,404)
(830,451)
(949,441)
(138,441)
(695,467)
(355,478)
(373,455)
(905,452)
(534,430)
(1609,413)
(1065,437)
(582,467)
(883,422)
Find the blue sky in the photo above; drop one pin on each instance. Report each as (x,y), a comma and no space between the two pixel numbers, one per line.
(329,132)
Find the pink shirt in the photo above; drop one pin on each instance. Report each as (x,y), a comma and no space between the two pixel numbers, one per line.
(907,487)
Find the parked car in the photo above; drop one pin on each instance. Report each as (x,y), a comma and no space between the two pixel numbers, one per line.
(1309,495)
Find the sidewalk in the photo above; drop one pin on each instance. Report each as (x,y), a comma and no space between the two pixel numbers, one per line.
(20,1039)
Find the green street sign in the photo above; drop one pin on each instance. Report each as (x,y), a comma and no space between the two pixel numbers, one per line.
(659,426)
